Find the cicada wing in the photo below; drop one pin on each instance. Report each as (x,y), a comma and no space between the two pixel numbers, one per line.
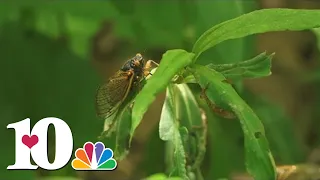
(111,94)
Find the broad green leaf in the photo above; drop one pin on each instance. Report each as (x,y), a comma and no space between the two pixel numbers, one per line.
(259,66)
(172,62)
(258,21)
(169,131)
(256,144)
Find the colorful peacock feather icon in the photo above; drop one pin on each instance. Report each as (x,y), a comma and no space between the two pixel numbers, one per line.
(94,157)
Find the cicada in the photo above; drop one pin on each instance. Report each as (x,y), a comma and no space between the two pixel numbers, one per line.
(112,94)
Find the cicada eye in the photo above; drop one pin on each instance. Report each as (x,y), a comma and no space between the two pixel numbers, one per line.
(138,57)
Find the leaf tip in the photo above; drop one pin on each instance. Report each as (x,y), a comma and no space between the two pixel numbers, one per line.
(130,140)
(272,55)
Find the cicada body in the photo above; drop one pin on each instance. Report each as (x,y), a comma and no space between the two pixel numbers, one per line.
(112,94)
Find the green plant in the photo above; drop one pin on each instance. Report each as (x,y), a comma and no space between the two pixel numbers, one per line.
(183,122)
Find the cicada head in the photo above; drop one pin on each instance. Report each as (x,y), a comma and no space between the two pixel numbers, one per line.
(136,64)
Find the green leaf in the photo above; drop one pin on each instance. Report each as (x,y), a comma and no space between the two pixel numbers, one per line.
(189,114)
(169,131)
(167,123)
(222,146)
(180,117)
(259,66)
(255,22)
(286,147)
(316,31)
(123,134)
(259,160)
(172,62)
(161,176)
(187,108)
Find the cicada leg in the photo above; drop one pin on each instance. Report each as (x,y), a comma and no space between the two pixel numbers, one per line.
(219,111)
(129,73)
(148,66)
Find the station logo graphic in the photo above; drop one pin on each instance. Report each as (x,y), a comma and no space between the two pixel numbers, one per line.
(32,143)
(94,157)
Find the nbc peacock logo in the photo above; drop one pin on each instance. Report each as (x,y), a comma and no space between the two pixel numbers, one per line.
(94,157)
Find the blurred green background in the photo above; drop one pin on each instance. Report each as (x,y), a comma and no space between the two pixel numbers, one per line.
(54,55)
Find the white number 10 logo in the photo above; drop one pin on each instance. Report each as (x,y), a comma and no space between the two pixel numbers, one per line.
(35,144)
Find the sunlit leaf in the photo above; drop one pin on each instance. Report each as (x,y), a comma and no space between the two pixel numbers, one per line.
(172,62)
(256,144)
(258,21)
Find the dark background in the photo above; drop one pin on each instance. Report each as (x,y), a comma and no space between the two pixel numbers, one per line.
(54,54)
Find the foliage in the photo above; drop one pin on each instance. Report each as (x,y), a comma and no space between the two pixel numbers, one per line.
(182,73)
(256,144)
(217,90)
